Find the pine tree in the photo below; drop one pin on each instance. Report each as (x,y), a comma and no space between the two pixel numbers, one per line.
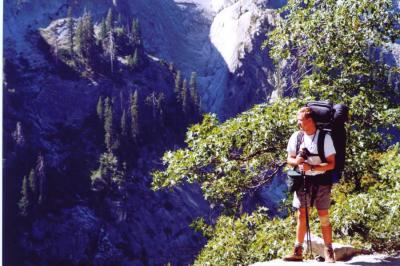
(135,59)
(108,122)
(178,85)
(103,30)
(135,34)
(41,175)
(109,168)
(124,131)
(195,101)
(79,37)
(109,21)
(24,203)
(18,135)
(134,114)
(160,103)
(151,100)
(99,108)
(135,43)
(185,97)
(109,175)
(156,103)
(111,49)
(129,62)
(85,40)
(70,25)
(89,35)
(33,184)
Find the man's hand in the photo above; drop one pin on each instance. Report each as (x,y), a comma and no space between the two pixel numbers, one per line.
(304,167)
(295,160)
(299,160)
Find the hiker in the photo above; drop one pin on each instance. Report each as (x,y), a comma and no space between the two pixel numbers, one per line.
(304,156)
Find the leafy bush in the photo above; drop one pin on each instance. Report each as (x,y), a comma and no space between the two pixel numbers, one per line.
(232,159)
(374,216)
(338,48)
(333,46)
(245,240)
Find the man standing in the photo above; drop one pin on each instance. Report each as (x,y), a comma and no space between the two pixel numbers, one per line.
(304,156)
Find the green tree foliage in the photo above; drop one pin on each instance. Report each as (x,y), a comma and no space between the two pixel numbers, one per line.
(135,34)
(178,85)
(124,129)
(108,123)
(103,30)
(109,177)
(18,135)
(156,101)
(185,98)
(25,202)
(79,36)
(85,40)
(99,109)
(109,21)
(70,25)
(245,240)
(232,159)
(111,49)
(333,45)
(336,62)
(133,60)
(108,36)
(41,179)
(33,184)
(373,216)
(134,115)
(32,191)
(195,100)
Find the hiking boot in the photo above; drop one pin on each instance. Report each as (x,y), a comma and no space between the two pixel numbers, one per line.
(296,256)
(329,254)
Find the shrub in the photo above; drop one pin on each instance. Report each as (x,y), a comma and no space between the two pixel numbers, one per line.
(245,240)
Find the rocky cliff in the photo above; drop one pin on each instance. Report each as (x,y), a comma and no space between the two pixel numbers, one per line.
(220,40)
(50,116)
(50,123)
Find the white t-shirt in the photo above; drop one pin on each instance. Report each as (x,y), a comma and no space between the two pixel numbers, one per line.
(311,143)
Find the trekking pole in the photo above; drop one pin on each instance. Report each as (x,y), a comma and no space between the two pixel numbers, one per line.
(308,233)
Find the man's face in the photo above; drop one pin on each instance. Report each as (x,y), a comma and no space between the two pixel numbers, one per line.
(303,122)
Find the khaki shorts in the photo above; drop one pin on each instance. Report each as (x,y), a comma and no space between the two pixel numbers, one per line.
(321,194)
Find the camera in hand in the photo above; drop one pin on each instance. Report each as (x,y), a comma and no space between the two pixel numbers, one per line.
(304,153)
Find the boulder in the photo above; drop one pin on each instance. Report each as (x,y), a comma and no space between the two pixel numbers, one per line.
(342,252)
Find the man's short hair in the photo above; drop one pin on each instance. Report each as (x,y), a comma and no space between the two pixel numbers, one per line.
(305,112)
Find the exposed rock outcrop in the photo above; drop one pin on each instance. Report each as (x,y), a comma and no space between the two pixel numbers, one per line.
(362,260)
(57,114)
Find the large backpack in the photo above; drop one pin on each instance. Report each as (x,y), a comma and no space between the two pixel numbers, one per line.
(329,119)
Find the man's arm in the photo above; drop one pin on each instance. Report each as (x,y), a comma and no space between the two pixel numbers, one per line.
(330,165)
(294,160)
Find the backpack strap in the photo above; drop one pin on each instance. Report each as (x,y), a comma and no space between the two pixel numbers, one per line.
(300,138)
(320,145)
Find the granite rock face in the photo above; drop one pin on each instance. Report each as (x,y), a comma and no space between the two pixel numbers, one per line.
(342,252)
(153,231)
(237,32)
(55,112)
(220,40)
